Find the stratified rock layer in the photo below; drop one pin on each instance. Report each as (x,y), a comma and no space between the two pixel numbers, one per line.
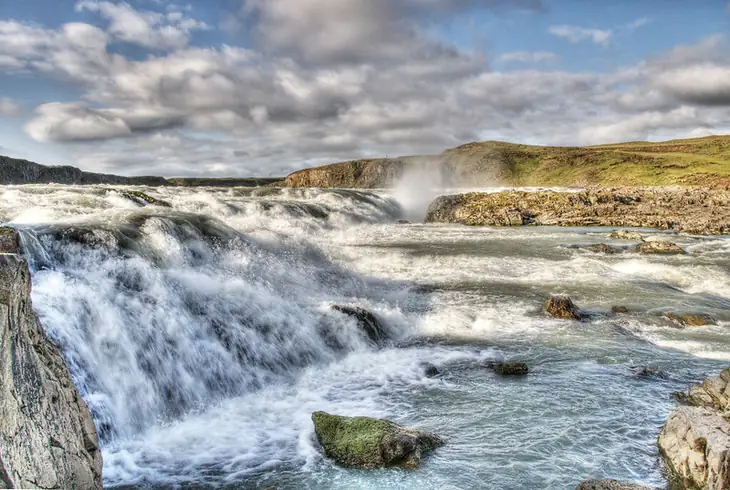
(695,442)
(689,210)
(47,436)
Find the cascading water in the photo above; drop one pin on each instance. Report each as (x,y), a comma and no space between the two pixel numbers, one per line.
(203,336)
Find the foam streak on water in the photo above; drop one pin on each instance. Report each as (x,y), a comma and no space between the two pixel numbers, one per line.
(202,336)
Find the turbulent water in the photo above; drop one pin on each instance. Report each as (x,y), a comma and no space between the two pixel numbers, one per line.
(203,336)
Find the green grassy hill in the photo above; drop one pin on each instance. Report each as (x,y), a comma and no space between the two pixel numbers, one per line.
(700,162)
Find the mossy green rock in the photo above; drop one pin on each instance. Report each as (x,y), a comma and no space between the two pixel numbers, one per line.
(365,442)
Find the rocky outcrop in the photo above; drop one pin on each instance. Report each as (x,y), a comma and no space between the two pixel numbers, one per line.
(365,442)
(563,307)
(689,210)
(611,485)
(47,436)
(695,442)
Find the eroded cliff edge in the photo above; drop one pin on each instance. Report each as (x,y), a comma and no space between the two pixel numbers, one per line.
(689,209)
(47,436)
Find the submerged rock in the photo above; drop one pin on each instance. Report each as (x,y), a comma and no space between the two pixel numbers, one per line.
(563,307)
(627,235)
(604,249)
(431,371)
(403,222)
(367,321)
(620,309)
(611,485)
(692,319)
(9,240)
(648,372)
(137,196)
(511,368)
(47,435)
(695,442)
(365,442)
(660,248)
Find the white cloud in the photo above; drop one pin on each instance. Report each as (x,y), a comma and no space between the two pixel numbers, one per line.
(74,122)
(9,108)
(576,34)
(149,29)
(528,57)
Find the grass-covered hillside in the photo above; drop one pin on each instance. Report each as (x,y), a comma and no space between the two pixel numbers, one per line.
(701,162)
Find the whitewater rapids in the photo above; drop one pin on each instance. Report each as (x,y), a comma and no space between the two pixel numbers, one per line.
(202,336)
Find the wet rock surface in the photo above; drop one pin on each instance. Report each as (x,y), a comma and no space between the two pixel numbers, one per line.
(511,368)
(369,323)
(695,442)
(9,240)
(364,442)
(47,436)
(689,210)
(563,307)
(660,248)
(692,319)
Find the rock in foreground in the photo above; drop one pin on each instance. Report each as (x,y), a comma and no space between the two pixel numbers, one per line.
(689,210)
(611,485)
(695,442)
(564,308)
(511,368)
(47,436)
(365,442)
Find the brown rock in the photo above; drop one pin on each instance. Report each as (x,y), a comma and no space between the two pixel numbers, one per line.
(511,368)
(9,240)
(660,248)
(620,309)
(563,307)
(692,319)
(611,485)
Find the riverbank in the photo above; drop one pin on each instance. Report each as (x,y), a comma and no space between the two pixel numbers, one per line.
(688,210)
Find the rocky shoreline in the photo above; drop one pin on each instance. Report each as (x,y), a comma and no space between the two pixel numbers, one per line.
(687,210)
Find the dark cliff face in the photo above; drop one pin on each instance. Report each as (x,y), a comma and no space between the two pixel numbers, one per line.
(47,436)
(14,171)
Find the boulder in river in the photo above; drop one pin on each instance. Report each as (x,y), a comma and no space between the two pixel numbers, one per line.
(611,485)
(367,321)
(695,442)
(619,309)
(660,248)
(602,248)
(364,442)
(47,435)
(9,240)
(431,371)
(564,308)
(692,319)
(627,235)
(511,368)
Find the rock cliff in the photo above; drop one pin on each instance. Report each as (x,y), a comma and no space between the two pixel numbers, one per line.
(689,209)
(47,436)
(14,171)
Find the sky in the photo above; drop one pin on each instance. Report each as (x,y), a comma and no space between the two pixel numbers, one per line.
(265,87)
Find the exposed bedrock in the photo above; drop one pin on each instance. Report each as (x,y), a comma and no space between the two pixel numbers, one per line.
(689,210)
(47,436)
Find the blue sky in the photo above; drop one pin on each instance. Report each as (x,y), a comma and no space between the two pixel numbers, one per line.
(264,87)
